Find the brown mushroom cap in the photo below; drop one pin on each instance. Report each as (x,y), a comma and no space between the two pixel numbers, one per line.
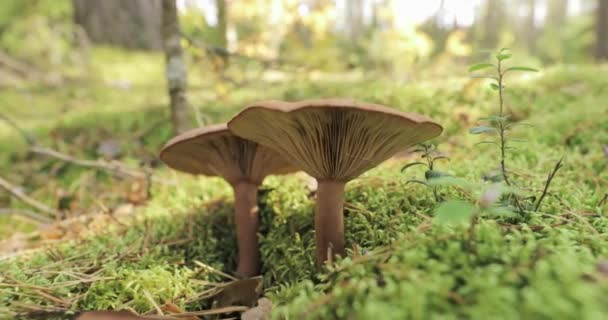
(333,139)
(215,151)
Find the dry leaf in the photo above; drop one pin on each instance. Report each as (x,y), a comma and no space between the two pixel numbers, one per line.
(137,192)
(240,292)
(171,308)
(261,312)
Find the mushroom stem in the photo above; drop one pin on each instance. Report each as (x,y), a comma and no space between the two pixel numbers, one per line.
(247,223)
(329,220)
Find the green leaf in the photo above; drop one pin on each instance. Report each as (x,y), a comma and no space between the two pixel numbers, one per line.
(487,142)
(519,124)
(503,56)
(454,212)
(433,174)
(411,165)
(478,76)
(494,86)
(441,158)
(418,181)
(480,66)
(525,69)
(451,181)
(481,129)
(504,212)
(494,118)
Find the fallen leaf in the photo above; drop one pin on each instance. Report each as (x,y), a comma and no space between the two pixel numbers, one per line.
(243,292)
(174,309)
(260,312)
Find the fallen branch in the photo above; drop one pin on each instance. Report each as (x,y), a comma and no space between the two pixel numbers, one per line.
(26,213)
(21,69)
(111,166)
(550,177)
(19,194)
(603,200)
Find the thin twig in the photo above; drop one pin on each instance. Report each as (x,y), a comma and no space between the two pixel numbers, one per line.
(26,213)
(550,177)
(19,194)
(210,268)
(502,129)
(111,166)
(502,132)
(151,300)
(26,135)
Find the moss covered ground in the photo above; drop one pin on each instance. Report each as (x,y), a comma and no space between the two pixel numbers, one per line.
(402,264)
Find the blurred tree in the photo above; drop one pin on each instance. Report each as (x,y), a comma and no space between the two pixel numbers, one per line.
(222,36)
(492,23)
(601,31)
(530,26)
(129,24)
(437,29)
(557,13)
(354,19)
(221,6)
(556,43)
(175,67)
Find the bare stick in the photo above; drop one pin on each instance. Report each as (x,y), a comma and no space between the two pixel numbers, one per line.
(96,164)
(558,166)
(26,213)
(28,137)
(113,166)
(17,193)
(502,131)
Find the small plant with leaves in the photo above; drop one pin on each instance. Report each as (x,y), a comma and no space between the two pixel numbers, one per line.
(482,200)
(430,154)
(499,125)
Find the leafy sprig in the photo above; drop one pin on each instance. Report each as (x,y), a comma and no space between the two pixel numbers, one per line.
(499,124)
(431,155)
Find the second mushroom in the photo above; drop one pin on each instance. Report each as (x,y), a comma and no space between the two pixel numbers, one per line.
(215,151)
(334,141)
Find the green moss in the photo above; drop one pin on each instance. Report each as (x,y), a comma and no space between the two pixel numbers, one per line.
(403,266)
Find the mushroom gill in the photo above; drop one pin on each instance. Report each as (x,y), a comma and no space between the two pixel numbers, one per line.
(334,141)
(215,151)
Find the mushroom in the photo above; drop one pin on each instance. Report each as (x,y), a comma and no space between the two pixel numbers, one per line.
(215,151)
(334,141)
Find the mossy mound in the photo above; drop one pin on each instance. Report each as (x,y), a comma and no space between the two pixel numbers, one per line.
(401,263)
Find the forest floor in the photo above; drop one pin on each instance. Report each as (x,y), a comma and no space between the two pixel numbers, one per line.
(126,248)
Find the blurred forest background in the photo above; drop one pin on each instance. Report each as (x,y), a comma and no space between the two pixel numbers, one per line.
(56,40)
(100,79)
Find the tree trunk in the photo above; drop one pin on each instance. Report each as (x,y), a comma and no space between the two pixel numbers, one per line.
(131,24)
(601,31)
(175,68)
